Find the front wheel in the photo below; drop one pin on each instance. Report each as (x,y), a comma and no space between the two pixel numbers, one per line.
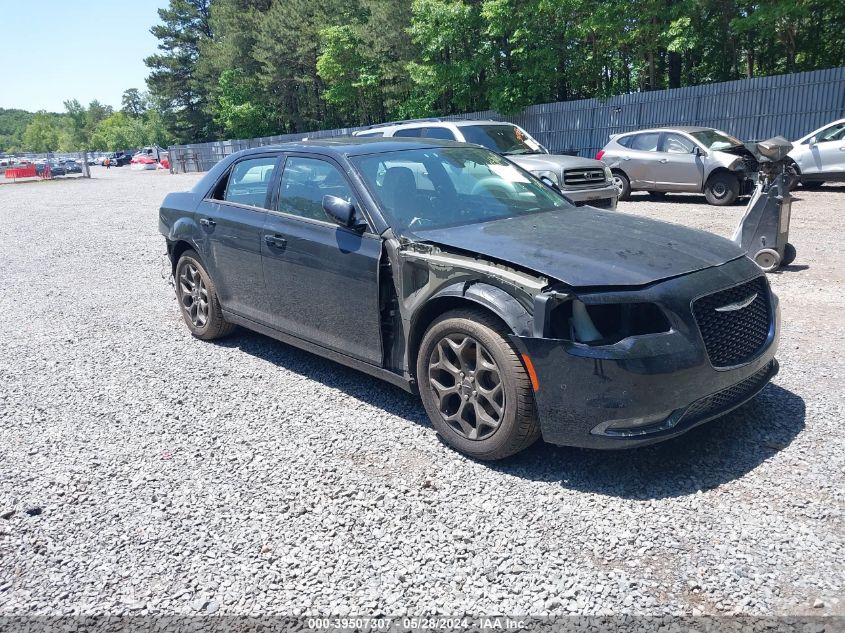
(198,299)
(623,185)
(722,189)
(474,386)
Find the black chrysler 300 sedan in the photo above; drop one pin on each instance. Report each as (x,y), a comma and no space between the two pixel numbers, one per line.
(446,269)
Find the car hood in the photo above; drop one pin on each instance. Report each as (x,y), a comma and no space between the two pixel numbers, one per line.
(552,162)
(585,246)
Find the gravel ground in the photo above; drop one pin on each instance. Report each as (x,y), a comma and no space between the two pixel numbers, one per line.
(143,471)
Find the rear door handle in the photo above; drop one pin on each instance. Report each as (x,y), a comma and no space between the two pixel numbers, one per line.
(207,222)
(275,240)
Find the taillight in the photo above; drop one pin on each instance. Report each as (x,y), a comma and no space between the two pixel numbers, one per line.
(600,154)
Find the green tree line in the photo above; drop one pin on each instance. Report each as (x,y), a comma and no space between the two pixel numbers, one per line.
(246,68)
(95,127)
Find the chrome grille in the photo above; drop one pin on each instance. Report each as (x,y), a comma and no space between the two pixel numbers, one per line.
(734,323)
(580,177)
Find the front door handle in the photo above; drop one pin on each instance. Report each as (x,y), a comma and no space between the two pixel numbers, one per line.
(664,160)
(207,222)
(276,241)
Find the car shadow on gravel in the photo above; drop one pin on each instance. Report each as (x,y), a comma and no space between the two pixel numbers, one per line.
(357,384)
(706,457)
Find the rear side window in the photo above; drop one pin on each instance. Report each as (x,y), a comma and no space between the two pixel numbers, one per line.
(646,142)
(412,131)
(625,141)
(439,132)
(249,180)
(370,134)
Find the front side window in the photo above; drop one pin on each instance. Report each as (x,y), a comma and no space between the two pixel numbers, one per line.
(304,183)
(645,142)
(249,180)
(450,186)
(504,139)
(833,133)
(677,144)
(715,140)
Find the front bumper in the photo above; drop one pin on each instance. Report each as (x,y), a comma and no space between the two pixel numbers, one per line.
(665,381)
(605,197)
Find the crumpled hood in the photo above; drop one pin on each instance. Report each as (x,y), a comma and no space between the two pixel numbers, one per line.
(584,246)
(552,162)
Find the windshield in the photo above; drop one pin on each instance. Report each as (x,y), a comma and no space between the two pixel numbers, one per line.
(715,140)
(450,186)
(504,139)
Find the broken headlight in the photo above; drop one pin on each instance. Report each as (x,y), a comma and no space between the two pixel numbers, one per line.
(606,323)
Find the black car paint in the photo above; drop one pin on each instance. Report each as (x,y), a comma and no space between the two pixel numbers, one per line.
(583,246)
(353,297)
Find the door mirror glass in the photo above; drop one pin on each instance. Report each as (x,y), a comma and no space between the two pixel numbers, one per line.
(339,210)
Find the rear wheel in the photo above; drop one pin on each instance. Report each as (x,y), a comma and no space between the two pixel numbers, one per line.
(623,185)
(813,185)
(198,300)
(474,386)
(722,189)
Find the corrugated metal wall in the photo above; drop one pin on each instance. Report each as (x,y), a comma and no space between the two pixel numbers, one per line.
(758,108)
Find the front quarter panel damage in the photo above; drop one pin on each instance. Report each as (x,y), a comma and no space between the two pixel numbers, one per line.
(428,279)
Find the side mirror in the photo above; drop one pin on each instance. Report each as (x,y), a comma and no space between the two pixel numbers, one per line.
(551,184)
(340,211)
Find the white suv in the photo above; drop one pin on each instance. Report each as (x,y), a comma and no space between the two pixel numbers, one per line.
(583,180)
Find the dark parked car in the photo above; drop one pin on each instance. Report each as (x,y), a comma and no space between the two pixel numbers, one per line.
(57,168)
(446,269)
(119,159)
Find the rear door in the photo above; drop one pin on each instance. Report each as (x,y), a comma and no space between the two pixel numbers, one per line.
(322,279)
(678,167)
(232,218)
(641,160)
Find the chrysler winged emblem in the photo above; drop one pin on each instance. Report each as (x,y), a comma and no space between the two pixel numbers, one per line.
(738,305)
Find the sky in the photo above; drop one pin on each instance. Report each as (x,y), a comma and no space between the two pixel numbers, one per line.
(55,50)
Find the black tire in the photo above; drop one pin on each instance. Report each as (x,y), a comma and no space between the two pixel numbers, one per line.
(813,185)
(789,255)
(516,426)
(192,284)
(722,189)
(622,184)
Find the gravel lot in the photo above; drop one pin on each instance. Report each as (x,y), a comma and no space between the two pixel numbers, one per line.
(144,471)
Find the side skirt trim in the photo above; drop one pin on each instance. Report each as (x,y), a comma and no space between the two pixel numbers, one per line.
(319,350)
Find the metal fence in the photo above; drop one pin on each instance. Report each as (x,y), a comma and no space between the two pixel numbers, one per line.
(758,108)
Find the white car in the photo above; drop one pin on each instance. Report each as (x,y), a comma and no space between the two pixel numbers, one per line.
(583,180)
(820,156)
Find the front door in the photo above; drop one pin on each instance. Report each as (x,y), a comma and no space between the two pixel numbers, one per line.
(827,155)
(321,278)
(679,169)
(232,219)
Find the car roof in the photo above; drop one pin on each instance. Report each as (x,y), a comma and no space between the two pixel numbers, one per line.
(355,145)
(672,128)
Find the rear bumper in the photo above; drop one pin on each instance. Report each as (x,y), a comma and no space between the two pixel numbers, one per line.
(604,197)
(644,389)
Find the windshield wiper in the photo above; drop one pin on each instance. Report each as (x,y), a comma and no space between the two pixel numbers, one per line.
(523,151)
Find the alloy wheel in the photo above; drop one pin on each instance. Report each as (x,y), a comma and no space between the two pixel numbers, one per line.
(468,386)
(617,182)
(193,295)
